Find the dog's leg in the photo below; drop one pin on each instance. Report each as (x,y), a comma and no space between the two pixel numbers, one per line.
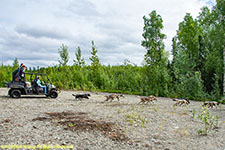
(175,104)
(118,98)
(142,101)
(209,105)
(112,98)
(151,101)
(181,103)
(216,106)
(107,98)
(146,102)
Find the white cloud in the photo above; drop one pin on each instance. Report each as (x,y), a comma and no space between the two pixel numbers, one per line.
(33,30)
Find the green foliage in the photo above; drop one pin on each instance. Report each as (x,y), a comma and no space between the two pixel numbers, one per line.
(5,74)
(94,58)
(15,63)
(153,39)
(79,61)
(64,56)
(190,85)
(157,77)
(135,118)
(210,122)
(188,35)
(198,48)
(70,125)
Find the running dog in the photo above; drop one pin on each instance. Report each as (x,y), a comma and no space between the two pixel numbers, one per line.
(210,104)
(146,100)
(112,96)
(81,96)
(181,101)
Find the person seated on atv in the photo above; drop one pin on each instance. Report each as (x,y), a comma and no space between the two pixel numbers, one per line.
(38,81)
(18,73)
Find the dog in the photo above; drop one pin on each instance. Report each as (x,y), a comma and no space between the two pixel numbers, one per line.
(210,104)
(146,100)
(181,101)
(111,97)
(81,96)
(153,98)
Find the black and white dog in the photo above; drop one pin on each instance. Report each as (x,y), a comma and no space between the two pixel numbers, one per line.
(81,96)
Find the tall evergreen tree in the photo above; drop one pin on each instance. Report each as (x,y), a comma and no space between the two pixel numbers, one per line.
(97,73)
(94,58)
(15,63)
(79,61)
(64,55)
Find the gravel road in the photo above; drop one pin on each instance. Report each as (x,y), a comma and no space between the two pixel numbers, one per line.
(94,124)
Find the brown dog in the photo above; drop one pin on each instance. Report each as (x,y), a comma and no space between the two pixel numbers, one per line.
(210,104)
(111,97)
(153,98)
(180,102)
(146,100)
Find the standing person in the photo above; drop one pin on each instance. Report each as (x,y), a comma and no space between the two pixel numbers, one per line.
(21,73)
(16,72)
(38,81)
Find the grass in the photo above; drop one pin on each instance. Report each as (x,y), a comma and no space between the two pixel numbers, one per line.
(135,119)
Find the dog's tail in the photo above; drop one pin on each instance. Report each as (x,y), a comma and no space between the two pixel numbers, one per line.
(73,95)
(138,96)
(121,95)
(174,99)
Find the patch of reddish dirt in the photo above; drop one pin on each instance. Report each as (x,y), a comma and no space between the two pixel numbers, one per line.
(40,119)
(80,121)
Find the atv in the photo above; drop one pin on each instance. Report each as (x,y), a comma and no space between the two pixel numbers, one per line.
(30,87)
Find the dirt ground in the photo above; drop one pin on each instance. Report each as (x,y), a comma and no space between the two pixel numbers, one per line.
(95,124)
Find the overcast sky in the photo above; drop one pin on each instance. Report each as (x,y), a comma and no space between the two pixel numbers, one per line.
(33,30)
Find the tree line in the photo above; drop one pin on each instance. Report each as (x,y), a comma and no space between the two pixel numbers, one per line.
(196,70)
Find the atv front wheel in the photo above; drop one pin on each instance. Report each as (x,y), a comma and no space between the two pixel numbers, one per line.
(54,94)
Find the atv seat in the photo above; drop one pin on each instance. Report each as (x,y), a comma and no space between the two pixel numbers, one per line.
(34,86)
(37,89)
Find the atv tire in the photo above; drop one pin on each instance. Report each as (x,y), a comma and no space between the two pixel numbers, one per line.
(53,94)
(15,93)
